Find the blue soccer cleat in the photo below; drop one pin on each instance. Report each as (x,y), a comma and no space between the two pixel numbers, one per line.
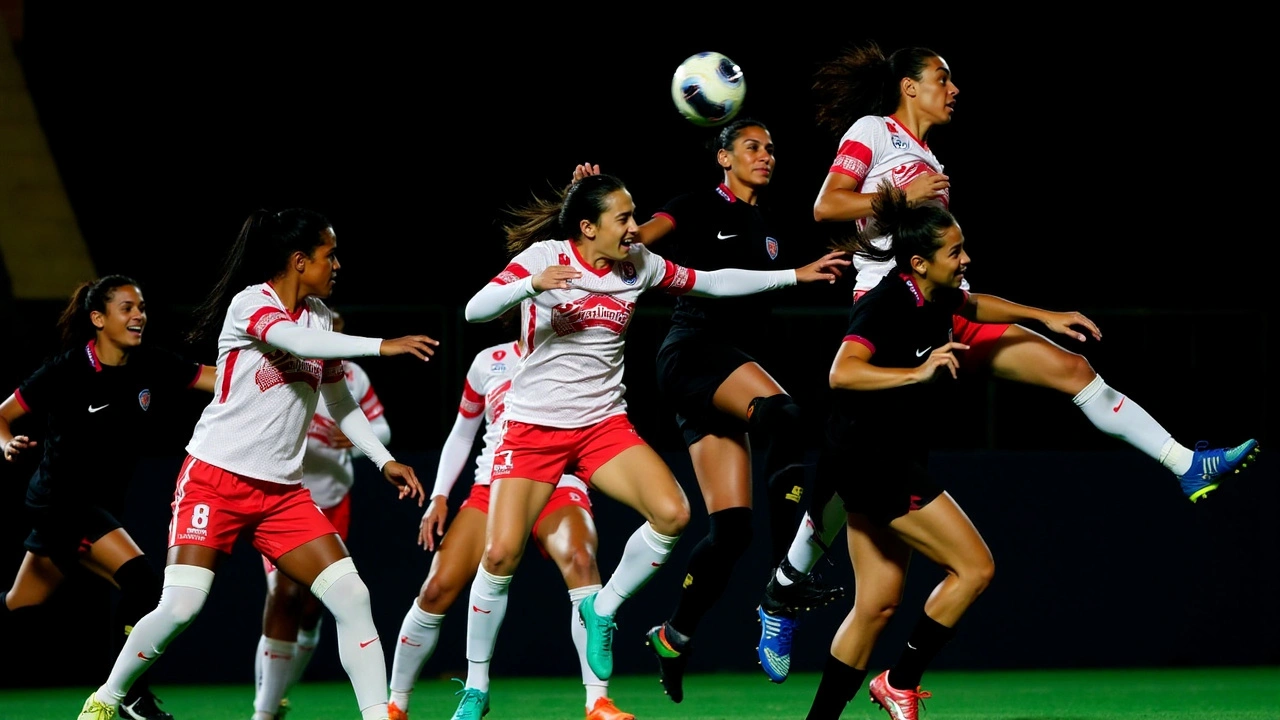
(1208,467)
(774,649)
(474,704)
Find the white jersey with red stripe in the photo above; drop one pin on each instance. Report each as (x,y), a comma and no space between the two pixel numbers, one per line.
(873,149)
(328,471)
(264,398)
(571,375)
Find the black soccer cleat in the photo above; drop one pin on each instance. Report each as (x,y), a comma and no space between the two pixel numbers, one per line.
(805,592)
(142,705)
(671,662)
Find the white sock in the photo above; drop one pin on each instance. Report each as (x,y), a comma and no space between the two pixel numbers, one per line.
(646,551)
(1123,418)
(276,659)
(419,632)
(488,608)
(805,552)
(346,596)
(596,688)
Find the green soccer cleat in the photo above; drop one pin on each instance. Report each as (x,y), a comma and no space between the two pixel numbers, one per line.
(599,637)
(474,704)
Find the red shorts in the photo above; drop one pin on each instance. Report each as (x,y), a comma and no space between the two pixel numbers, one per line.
(980,337)
(211,506)
(543,453)
(339,515)
(562,496)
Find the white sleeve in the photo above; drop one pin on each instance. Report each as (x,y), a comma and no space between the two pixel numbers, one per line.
(731,282)
(351,420)
(456,452)
(496,298)
(313,343)
(370,404)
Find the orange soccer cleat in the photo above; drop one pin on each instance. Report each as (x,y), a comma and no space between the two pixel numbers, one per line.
(900,704)
(604,709)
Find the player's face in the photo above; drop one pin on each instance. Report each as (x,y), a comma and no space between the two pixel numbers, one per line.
(615,230)
(947,266)
(124,319)
(752,160)
(320,271)
(935,93)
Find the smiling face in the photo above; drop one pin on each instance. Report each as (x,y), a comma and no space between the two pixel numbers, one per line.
(947,266)
(122,322)
(609,238)
(319,272)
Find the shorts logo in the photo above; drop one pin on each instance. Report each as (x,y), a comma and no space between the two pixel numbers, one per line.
(575,497)
(502,462)
(144,399)
(771,246)
(628,272)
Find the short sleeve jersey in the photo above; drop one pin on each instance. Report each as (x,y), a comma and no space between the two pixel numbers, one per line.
(900,328)
(571,375)
(328,472)
(714,229)
(264,397)
(86,407)
(874,149)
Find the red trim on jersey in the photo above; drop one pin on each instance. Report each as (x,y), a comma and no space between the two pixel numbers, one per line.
(17,395)
(263,319)
(861,341)
(371,405)
(533,325)
(852,159)
(598,272)
(516,346)
(727,193)
(293,314)
(334,371)
(670,219)
(906,130)
(196,379)
(91,349)
(513,272)
(914,287)
(472,402)
(226,375)
(677,279)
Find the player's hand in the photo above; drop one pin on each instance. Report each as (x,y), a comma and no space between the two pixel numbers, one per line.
(584,170)
(1065,323)
(927,187)
(419,346)
(829,267)
(556,277)
(402,477)
(941,360)
(432,526)
(17,445)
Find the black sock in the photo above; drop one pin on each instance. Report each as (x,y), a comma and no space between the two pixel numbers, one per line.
(838,686)
(776,423)
(710,565)
(928,637)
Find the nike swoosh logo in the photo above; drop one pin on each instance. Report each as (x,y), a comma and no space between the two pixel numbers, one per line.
(722,236)
(476,609)
(367,643)
(920,353)
(1117,407)
(93,409)
(405,639)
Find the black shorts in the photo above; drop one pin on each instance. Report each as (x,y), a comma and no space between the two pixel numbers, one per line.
(64,532)
(691,367)
(874,479)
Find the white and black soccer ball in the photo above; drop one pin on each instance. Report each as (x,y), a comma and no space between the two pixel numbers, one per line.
(708,89)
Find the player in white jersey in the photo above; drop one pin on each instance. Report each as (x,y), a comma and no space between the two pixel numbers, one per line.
(565,411)
(276,355)
(885,136)
(291,618)
(564,532)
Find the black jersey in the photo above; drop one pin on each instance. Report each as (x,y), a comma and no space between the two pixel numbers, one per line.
(901,328)
(95,418)
(716,230)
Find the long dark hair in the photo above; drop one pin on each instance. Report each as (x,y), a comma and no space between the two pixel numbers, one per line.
(74,325)
(862,81)
(913,229)
(558,217)
(260,252)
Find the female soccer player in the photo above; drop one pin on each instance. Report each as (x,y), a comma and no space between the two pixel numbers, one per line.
(565,411)
(885,107)
(291,618)
(564,532)
(105,385)
(276,355)
(891,378)
(709,372)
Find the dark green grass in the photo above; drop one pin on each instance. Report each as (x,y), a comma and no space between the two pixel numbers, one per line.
(1182,694)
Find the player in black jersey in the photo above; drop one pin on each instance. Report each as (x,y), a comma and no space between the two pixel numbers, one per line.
(708,371)
(891,379)
(102,392)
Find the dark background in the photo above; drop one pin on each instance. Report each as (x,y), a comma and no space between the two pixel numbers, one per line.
(1107,165)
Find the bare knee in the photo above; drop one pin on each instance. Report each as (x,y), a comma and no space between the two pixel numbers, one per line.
(874,616)
(671,517)
(437,594)
(578,567)
(500,559)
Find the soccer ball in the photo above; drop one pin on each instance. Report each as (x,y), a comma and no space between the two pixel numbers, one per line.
(708,89)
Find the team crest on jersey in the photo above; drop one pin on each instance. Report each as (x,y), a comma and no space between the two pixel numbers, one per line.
(592,311)
(898,142)
(144,399)
(628,271)
(498,368)
(771,246)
